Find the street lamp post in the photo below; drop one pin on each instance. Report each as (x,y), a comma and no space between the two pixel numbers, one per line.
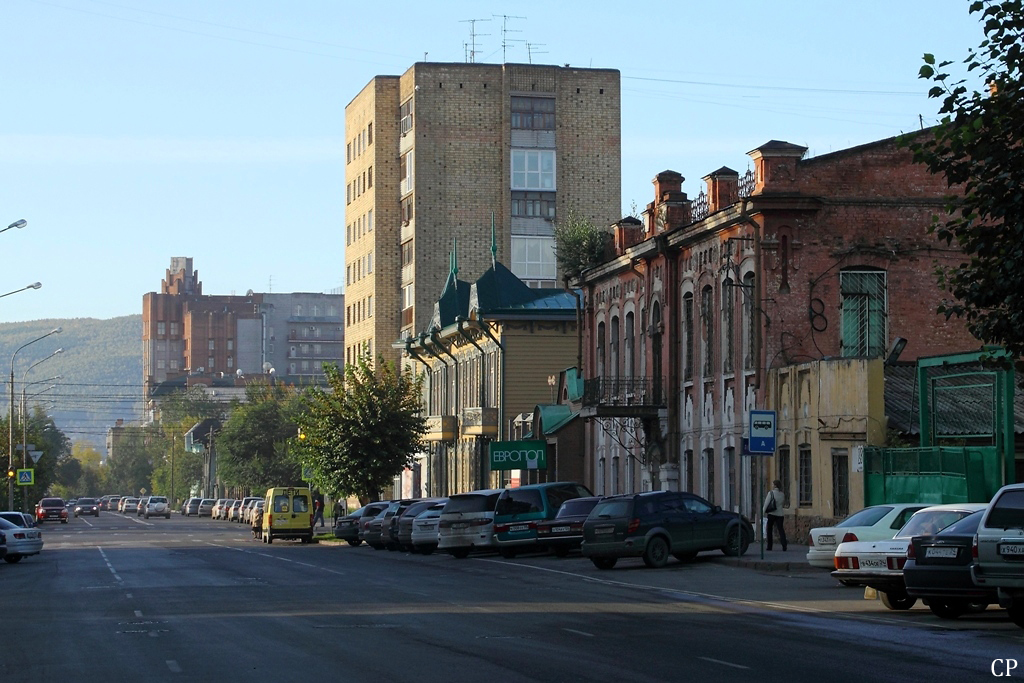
(24,413)
(19,224)
(10,442)
(34,285)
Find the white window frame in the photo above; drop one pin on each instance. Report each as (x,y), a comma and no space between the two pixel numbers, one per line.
(534,169)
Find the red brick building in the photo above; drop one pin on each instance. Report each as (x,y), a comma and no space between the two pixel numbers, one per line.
(798,260)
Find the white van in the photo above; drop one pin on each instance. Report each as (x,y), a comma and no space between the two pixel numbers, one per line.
(467,523)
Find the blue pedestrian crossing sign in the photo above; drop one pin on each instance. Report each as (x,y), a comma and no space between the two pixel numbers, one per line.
(26,477)
(762,431)
(307,473)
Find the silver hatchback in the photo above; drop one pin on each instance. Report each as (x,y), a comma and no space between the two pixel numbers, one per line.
(467,523)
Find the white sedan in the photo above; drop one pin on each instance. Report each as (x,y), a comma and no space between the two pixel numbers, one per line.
(23,539)
(879,564)
(875,523)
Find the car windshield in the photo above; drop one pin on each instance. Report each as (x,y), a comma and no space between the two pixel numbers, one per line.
(157,499)
(51,502)
(866,517)
(577,507)
(618,507)
(968,526)
(14,518)
(929,522)
(86,501)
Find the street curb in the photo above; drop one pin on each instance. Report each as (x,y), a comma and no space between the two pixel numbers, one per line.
(772,566)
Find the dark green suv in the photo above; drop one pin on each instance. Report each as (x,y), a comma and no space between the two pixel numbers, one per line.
(657,524)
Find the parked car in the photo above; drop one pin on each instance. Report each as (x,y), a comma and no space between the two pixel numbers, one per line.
(288,514)
(215,512)
(467,523)
(87,506)
(70,505)
(23,539)
(143,502)
(113,503)
(658,524)
(406,520)
(3,544)
(246,508)
(938,570)
(206,506)
(232,513)
(879,564)
(424,528)
(875,523)
(157,506)
(999,549)
(222,511)
(564,533)
(519,509)
(52,509)
(130,504)
(372,533)
(191,507)
(389,522)
(349,527)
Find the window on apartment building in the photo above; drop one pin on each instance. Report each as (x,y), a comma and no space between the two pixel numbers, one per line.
(688,336)
(405,114)
(298,310)
(688,470)
(174,328)
(613,347)
(369,221)
(629,338)
(174,364)
(533,205)
(533,169)
(863,312)
(707,312)
(405,164)
(533,113)
(304,349)
(369,262)
(840,482)
(369,306)
(369,177)
(708,480)
(600,349)
(728,302)
(804,476)
(407,209)
(783,472)
(160,364)
(533,258)
(209,364)
(305,366)
(749,320)
(729,466)
(407,253)
(407,303)
(348,274)
(211,344)
(348,193)
(161,328)
(369,133)
(291,368)
(316,331)
(348,153)
(231,344)
(231,362)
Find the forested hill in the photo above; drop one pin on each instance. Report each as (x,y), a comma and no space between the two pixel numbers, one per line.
(100,371)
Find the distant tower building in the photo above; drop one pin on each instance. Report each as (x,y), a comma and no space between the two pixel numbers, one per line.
(432,154)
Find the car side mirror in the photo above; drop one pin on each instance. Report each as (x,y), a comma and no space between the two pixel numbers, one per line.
(716,509)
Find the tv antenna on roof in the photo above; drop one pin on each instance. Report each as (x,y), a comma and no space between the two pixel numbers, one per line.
(505,30)
(472,52)
(530,51)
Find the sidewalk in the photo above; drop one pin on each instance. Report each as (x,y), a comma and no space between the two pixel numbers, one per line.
(794,559)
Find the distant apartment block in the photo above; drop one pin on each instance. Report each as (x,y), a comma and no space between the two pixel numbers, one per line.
(186,333)
(433,154)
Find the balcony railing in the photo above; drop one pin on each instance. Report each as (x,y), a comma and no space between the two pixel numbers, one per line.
(636,392)
(441,428)
(479,421)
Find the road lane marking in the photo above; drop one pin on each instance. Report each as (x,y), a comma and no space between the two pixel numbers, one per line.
(173,666)
(723,663)
(581,633)
(138,613)
(128,595)
(86,522)
(276,557)
(109,566)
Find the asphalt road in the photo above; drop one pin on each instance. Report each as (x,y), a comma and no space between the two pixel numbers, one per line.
(126,599)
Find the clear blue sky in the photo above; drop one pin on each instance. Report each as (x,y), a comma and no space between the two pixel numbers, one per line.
(133,131)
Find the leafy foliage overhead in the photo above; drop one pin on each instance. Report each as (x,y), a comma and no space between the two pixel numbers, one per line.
(978,147)
(362,432)
(579,245)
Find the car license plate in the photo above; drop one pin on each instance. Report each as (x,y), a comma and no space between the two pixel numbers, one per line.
(1011,548)
(519,527)
(604,529)
(560,530)
(460,525)
(872,564)
(826,539)
(940,552)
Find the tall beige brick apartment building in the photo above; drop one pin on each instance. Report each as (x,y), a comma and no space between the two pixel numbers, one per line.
(433,153)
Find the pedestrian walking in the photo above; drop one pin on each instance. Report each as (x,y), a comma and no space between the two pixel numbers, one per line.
(336,511)
(318,512)
(772,509)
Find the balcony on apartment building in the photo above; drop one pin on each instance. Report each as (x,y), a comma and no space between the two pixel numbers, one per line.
(441,428)
(479,421)
(623,397)
(327,335)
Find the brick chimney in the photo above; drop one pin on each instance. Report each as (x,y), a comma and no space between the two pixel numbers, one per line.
(775,166)
(670,207)
(723,188)
(627,232)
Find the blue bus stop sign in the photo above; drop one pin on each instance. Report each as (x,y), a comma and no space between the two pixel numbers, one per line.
(762,431)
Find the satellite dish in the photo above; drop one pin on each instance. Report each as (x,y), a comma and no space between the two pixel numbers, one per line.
(267,366)
(238,372)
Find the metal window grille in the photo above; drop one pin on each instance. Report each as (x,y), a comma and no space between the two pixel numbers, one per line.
(863,313)
(804,485)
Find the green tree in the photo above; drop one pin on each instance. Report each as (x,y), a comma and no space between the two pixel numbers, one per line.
(179,412)
(254,448)
(579,245)
(364,430)
(978,147)
(131,462)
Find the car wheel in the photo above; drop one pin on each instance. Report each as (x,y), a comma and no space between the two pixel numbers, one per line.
(897,600)
(947,610)
(604,562)
(507,553)
(355,543)
(734,539)
(459,553)
(1016,613)
(977,607)
(12,559)
(656,553)
(685,557)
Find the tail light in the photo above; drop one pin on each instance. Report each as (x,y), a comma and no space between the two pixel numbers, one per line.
(911,553)
(974,547)
(846,562)
(896,563)
(479,522)
(850,537)
(19,534)
(810,540)
(634,524)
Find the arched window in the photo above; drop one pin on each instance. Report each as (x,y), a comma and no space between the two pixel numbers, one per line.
(688,336)
(600,349)
(630,347)
(707,319)
(728,294)
(656,351)
(613,347)
(749,320)
(864,310)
